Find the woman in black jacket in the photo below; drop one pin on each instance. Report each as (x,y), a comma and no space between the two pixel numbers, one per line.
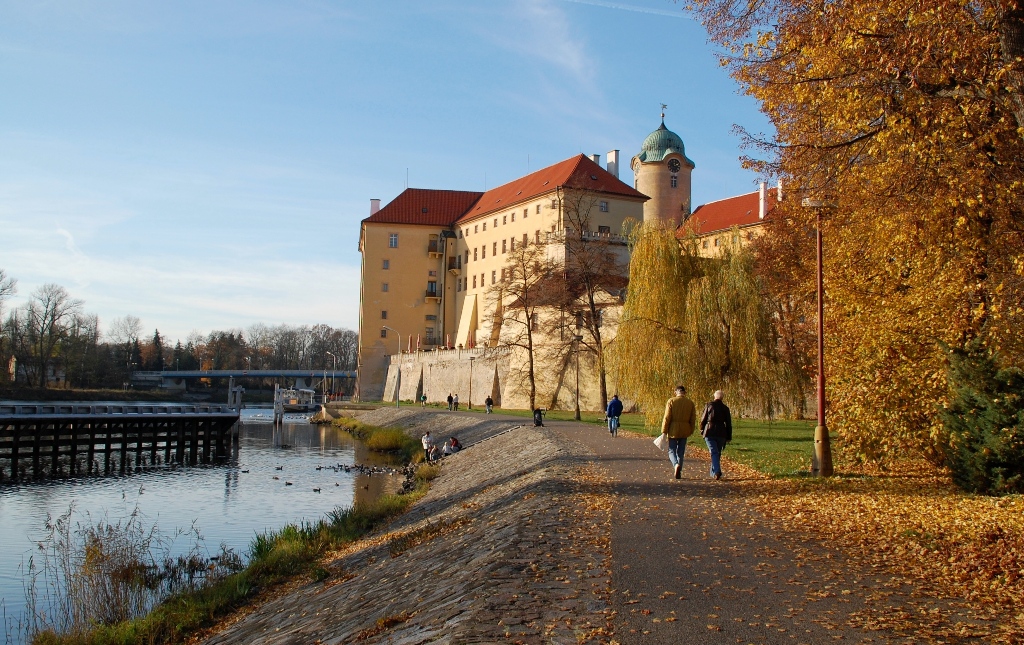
(716,428)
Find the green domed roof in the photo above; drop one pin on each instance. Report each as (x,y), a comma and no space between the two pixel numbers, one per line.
(661,143)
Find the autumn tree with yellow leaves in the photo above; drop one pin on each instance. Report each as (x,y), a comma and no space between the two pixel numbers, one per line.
(908,117)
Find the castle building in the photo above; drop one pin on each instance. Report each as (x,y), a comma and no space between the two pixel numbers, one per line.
(431,260)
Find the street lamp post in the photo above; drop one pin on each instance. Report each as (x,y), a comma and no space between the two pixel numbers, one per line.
(822,444)
(471,359)
(577,340)
(334,369)
(398,380)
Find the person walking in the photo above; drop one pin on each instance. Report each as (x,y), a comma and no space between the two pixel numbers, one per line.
(489,403)
(455,403)
(423,400)
(613,413)
(716,428)
(678,423)
(449,401)
(428,445)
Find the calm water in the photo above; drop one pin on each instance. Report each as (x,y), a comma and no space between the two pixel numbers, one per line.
(226,504)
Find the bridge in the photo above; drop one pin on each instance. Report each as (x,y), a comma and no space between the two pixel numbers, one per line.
(176,379)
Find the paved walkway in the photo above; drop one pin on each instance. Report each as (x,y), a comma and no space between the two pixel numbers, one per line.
(692,562)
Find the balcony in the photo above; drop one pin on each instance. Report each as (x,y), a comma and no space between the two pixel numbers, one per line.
(455,265)
(432,295)
(435,249)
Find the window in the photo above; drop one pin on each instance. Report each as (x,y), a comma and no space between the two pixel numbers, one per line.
(460,233)
(384,314)
(675,181)
(474,281)
(598,317)
(494,250)
(536,235)
(502,274)
(494,277)
(554,203)
(481,280)
(474,253)
(716,241)
(526,238)
(504,246)
(604,230)
(467,256)
(384,287)
(393,240)
(432,286)
(495,222)
(705,244)
(603,206)
(474,228)
(432,273)
(533,322)
(504,219)
(383,333)
(513,217)
(431,317)
(458,284)
(485,226)
(735,239)
(526,212)
(483,251)
(538,209)
(387,265)
(512,243)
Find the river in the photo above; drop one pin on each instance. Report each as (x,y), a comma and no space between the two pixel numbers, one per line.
(229,503)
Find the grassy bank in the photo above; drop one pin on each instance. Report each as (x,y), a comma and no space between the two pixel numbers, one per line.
(275,557)
(391,440)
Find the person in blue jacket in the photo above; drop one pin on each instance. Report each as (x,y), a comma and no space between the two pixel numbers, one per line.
(613,413)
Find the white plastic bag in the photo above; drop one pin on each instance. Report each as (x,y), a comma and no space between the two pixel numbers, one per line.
(661,442)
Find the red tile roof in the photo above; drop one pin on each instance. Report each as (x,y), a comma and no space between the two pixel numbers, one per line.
(425,206)
(742,210)
(576,172)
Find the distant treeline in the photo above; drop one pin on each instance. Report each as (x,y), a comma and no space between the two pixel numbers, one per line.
(51,342)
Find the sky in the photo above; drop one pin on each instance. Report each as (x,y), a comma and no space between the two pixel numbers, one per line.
(205,165)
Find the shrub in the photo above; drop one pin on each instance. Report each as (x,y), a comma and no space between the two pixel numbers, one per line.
(984,422)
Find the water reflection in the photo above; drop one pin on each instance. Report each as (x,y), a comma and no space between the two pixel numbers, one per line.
(269,481)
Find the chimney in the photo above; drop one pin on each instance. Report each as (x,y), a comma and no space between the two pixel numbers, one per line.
(595,158)
(374,206)
(760,201)
(778,193)
(613,162)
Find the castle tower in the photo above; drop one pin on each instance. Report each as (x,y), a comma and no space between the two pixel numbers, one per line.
(662,171)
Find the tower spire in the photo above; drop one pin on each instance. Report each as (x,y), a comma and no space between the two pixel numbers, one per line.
(663,108)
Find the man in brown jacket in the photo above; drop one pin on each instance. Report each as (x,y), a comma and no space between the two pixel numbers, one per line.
(678,424)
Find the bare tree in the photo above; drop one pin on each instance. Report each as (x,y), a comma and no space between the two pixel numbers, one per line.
(595,277)
(8,287)
(518,300)
(41,326)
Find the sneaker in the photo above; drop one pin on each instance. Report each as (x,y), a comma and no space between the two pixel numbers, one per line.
(679,471)
(718,475)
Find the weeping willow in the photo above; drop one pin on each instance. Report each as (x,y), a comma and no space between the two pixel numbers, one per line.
(701,322)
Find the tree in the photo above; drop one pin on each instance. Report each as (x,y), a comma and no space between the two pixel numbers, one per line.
(698,321)
(518,301)
(594,276)
(908,117)
(39,328)
(8,287)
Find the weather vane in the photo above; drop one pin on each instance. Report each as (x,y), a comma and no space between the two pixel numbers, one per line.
(663,108)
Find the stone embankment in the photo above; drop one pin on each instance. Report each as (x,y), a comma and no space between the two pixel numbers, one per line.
(507,545)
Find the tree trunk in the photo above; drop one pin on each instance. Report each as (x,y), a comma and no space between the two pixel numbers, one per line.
(1011,44)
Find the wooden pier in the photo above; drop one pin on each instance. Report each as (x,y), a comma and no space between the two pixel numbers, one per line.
(65,439)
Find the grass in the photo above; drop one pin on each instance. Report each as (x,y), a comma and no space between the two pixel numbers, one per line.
(391,440)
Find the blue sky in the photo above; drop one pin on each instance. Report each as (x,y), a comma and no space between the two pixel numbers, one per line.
(205,165)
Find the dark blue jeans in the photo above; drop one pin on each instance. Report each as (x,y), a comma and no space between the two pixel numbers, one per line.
(715,447)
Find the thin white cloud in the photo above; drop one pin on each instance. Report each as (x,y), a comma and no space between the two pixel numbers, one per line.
(629,7)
